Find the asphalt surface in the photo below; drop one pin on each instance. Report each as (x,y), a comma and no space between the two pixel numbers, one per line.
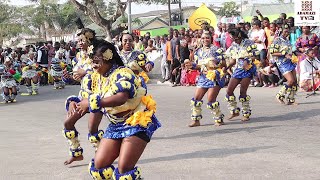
(280,142)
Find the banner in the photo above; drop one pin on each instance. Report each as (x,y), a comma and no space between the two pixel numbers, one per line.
(307,13)
(231,20)
(203,13)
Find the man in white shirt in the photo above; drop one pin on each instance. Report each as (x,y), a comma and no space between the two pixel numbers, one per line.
(308,68)
(42,60)
(259,37)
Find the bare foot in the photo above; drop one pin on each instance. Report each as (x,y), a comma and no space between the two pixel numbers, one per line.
(280,101)
(244,119)
(69,161)
(290,103)
(219,124)
(233,116)
(194,123)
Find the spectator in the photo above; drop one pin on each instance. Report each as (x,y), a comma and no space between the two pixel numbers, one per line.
(270,75)
(175,51)
(228,36)
(150,46)
(137,43)
(307,41)
(164,64)
(223,35)
(258,36)
(283,16)
(169,55)
(43,59)
(215,37)
(267,30)
(156,43)
(247,29)
(182,31)
(295,32)
(309,65)
(279,22)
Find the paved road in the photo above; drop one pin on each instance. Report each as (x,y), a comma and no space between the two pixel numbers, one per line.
(280,142)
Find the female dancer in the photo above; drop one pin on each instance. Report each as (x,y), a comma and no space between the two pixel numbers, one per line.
(56,72)
(129,57)
(30,74)
(8,83)
(281,52)
(210,61)
(242,54)
(118,93)
(82,71)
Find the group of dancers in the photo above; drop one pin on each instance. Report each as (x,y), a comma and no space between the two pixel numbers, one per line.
(240,60)
(28,72)
(111,86)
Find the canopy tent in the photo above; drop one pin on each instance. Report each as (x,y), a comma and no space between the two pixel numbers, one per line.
(203,13)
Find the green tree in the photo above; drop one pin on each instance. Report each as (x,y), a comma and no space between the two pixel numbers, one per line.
(10,24)
(48,17)
(115,9)
(90,8)
(229,9)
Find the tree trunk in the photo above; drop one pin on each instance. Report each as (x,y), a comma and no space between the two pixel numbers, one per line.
(42,31)
(108,34)
(39,32)
(92,11)
(47,29)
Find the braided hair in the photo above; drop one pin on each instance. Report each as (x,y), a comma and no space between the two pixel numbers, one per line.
(238,33)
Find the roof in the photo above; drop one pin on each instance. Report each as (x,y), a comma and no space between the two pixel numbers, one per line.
(144,24)
(269,9)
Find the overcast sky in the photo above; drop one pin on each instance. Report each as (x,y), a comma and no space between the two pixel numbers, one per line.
(136,9)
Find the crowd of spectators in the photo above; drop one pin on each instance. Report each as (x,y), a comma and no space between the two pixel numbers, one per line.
(178,46)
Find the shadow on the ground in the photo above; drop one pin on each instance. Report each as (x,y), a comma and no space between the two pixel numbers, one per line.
(213,132)
(289,116)
(312,102)
(78,165)
(209,153)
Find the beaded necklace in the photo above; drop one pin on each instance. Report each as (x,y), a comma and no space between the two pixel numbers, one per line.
(125,56)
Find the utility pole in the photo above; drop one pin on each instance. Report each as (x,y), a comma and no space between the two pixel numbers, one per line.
(241,7)
(169,11)
(180,12)
(129,17)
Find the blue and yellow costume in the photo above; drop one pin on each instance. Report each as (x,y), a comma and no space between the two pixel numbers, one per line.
(210,60)
(243,53)
(285,65)
(139,119)
(135,60)
(81,61)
